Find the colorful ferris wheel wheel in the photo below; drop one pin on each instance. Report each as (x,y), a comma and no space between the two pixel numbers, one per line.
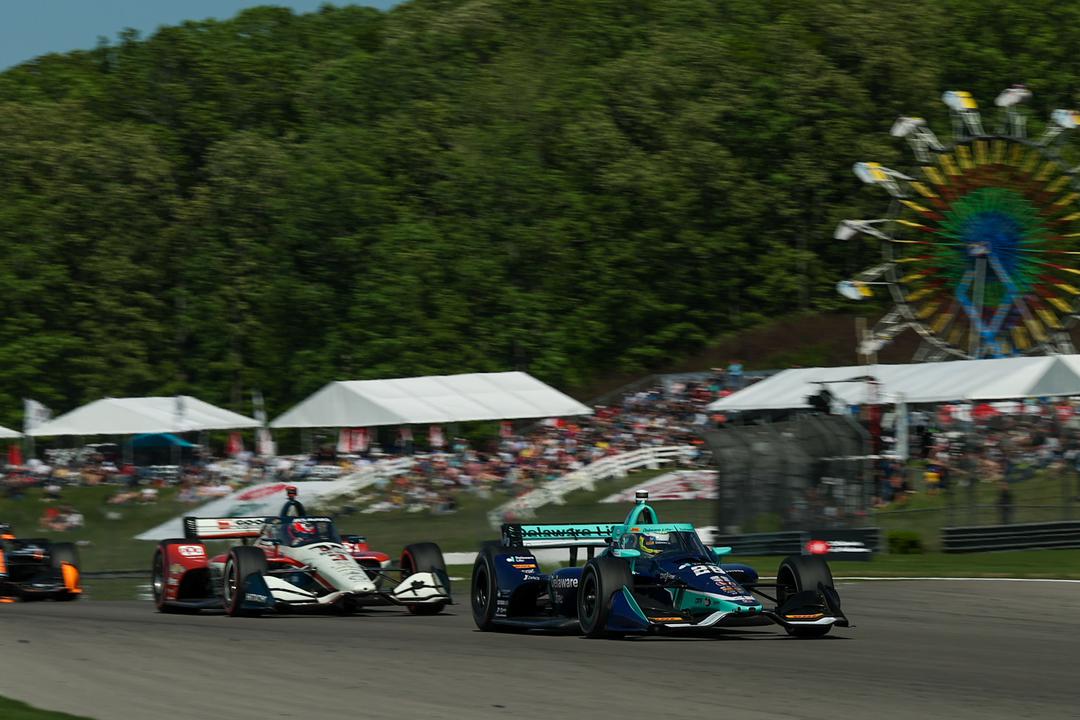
(980,250)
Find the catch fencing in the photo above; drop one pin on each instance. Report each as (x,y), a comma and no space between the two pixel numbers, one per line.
(983,465)
(812,471)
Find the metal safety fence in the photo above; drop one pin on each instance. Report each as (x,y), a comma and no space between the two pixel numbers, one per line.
(811,471)
(1023,536)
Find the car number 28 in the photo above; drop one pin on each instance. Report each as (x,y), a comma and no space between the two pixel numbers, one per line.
(704,569)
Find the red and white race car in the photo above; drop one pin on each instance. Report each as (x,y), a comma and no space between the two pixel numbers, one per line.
(294,560)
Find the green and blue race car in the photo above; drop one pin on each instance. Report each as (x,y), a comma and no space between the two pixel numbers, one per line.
(649,577)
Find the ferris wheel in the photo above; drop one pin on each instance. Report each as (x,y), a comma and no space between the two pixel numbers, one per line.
(980,249)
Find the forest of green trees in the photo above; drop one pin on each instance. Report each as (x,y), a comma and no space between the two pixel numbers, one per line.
(571,188)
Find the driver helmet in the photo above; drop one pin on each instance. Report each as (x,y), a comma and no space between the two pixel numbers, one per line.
(302,530)
(649,544)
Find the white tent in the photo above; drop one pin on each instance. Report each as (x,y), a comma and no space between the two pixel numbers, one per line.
(991,379)
(6,433)
(129,416)
(432,399)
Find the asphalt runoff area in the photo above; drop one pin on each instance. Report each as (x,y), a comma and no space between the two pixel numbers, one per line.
(932,649)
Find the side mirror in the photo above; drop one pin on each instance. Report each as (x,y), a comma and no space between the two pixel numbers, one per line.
(721,551)
(626,553)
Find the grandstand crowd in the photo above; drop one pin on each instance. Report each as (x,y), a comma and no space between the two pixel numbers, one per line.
(516,461)
(950,446)
(998,445)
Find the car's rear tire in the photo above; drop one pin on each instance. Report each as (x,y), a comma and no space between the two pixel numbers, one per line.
(423,557)
(59,554)
(802,573)
(242,562)
(600,580)
(159,576)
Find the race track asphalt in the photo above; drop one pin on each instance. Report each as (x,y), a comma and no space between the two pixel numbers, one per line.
(920,650)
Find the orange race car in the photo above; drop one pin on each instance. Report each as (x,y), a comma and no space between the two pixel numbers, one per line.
(37,569)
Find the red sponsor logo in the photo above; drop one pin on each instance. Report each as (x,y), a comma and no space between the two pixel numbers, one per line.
(261,491)
(191,550)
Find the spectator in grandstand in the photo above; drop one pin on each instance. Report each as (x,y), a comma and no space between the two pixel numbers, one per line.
(549,450)
(932,478)
(735,374)
(61,519)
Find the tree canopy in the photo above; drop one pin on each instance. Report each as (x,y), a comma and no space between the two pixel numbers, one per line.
(278,200)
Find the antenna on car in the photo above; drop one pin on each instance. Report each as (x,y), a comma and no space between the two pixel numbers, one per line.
(641,496)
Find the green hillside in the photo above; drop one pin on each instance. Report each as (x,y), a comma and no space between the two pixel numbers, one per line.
(576,189)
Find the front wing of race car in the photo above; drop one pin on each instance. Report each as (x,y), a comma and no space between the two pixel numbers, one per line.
(49,583)
(631,614)
(275,592)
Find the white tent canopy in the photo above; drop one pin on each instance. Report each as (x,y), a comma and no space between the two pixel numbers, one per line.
(432,399)
(130,416)
(6,433)
(975,380)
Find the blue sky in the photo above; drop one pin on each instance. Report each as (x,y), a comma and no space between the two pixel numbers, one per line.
(29,28)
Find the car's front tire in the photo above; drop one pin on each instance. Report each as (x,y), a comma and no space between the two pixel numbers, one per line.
(802,573)
(600,580)
(242,562)
(423,557)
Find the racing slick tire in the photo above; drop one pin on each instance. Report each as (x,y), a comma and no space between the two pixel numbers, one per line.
(423,557)
(243,561)
(60,553)
(801,573)
(158,577)
(484,588)
(600,579)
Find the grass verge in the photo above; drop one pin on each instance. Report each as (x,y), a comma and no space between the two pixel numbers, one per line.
(107,541)
(15,710)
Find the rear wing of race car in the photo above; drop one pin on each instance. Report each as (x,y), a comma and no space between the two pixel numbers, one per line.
(557,536)
(196,528)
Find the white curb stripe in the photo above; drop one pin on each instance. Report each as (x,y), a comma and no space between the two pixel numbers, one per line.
(966,579)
